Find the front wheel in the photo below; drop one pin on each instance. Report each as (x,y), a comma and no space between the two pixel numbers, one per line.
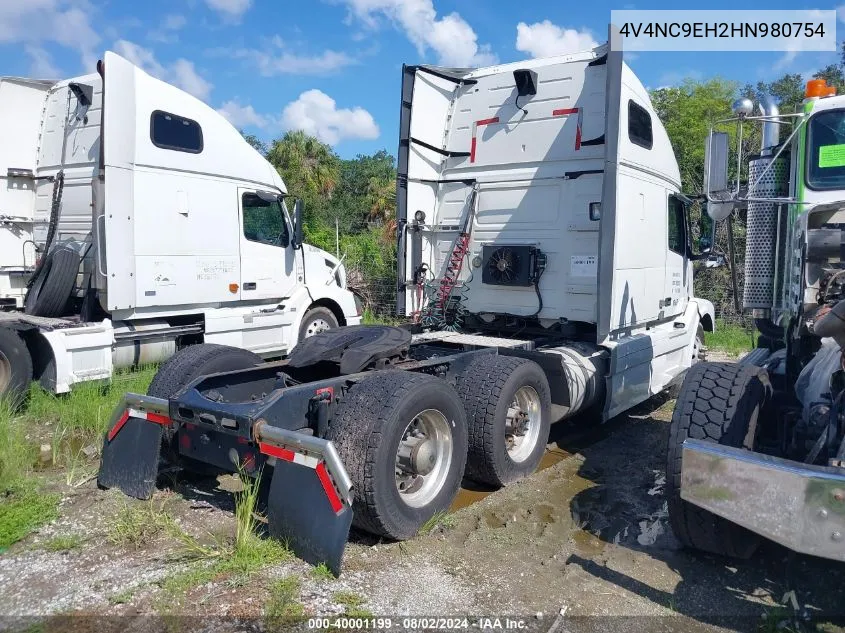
(720,403)
(403,439)
(317,320)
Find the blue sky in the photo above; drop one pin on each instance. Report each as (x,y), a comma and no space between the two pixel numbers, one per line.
(332,67)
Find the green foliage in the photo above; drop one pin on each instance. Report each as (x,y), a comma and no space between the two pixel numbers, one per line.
(350,207)
(730,338)
(80,417)
(322,572)
(833,75)
(310,169)
(259,145)
(24,510)
(687,111)
(64,543)
(121,597)
(17,454)
(23,507)
(283,603)
(237,561)
(787,92)
(139,522)
(353,604)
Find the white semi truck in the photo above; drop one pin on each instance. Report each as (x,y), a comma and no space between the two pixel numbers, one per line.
(545,254)
(134,220)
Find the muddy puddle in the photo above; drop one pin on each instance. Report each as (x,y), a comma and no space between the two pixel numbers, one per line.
(472,492)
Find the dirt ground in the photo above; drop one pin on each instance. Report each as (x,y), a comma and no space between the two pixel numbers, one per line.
(583,545)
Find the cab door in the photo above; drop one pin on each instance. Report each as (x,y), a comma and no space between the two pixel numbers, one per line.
(268,269)
(675,293)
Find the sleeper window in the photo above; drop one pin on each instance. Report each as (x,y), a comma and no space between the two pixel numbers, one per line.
(169,131)
(639,125)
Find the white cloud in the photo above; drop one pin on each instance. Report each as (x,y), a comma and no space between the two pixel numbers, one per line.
(168,28)
(181,73)
(174,22)
(242,116)
(545,39)
(41,63)
(65,22)
(450,37)
(840,12)
(271,63)
(229,9)
(186,77)
(316,113)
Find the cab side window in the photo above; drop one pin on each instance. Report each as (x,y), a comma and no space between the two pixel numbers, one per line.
(264,221)
(639,125)
(677,226)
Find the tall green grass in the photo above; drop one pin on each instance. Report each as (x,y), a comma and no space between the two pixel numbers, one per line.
(17,454)
(81,416)
(730,338)
(23,506)
(73,422)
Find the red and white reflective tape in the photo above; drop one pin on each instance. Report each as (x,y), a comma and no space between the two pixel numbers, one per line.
(568,111)
(475,126)
(308,461)
(149,416)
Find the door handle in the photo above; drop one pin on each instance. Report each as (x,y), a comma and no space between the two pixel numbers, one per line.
(249,285)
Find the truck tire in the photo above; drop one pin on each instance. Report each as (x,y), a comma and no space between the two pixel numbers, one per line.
(178,371)
(15,367)
(508,404)
(317,320)
(51,290)
(403,439)
(720,403)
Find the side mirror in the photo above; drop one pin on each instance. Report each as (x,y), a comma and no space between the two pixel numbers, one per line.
(720,202)
(716,163)
(298,234)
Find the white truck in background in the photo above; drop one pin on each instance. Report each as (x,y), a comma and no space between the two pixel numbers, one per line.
(135,220)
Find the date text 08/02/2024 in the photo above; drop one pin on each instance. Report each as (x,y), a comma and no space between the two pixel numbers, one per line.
(417,623)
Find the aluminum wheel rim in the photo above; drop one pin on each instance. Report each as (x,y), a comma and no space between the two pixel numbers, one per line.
(316,326)
(523,422)
(5,373)
(428,433)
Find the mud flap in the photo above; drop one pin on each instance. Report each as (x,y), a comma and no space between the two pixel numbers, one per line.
(130,458)
(304,512)
(132,446)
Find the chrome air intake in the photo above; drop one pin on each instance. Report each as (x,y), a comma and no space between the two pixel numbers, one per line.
(758,292)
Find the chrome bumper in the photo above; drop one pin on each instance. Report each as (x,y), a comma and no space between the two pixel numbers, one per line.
(799,506)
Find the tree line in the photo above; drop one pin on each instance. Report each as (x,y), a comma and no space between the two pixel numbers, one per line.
(349,208)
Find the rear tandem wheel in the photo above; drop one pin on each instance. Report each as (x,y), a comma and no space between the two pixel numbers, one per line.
(403,439)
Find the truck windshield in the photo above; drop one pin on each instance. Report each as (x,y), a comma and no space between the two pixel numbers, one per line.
(826,150)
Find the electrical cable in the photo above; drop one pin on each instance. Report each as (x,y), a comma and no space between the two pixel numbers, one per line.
(55,206)
(537,290)
(519,107)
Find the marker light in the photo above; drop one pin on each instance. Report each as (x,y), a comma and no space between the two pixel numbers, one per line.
(815,88)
